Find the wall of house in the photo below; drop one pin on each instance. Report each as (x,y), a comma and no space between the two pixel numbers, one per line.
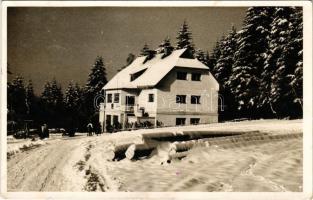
(170,119)
(164,106)
(143,101)
(122,99)
(169,87)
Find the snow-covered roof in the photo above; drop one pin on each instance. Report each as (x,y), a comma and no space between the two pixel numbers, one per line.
(155,70)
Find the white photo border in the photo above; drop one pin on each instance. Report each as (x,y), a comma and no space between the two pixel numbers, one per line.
(307,111)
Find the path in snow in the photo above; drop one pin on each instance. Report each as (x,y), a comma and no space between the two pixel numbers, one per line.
(45,168)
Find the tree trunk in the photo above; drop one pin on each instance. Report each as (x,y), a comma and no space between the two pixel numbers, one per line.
(140,150)
(188,135)
(117,151)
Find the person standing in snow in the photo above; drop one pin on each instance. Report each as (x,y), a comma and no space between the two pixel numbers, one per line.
(97,128)
(89,129)
(44,131)
(41,135)
(26,131)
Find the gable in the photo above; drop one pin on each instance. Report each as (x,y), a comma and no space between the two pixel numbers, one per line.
(187,54)
(207,80)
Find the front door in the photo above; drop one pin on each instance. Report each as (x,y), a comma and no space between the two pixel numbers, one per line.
(108,120)
(115,119)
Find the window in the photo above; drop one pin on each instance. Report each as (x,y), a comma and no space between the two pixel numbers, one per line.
(109,99)
(195,99)
(116,97)
(151,98)
(180,121)
(182,75)
(196,77)
(130,100)
(180,98)
(194,120)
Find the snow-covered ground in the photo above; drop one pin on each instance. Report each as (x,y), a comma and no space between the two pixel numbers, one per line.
(79,163)
(18,145)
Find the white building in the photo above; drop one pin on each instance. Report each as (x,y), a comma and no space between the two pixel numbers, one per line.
(173,90)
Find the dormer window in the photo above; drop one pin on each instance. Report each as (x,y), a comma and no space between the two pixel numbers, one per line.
(181,76)
(136,75)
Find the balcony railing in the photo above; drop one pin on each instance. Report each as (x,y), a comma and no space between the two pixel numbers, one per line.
(135,109)
(129,108)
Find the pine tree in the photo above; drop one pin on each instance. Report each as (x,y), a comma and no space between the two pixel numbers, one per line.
(34,111)
(184,39)
(249,60)
(130,58)
(165,47)
(145,50)
(207,61)
(96,81)
(69,99)
(71,109)
(281,62)
(200,55)
(203,57)
(97,77)
(223,71)
(73,106)
(216,53)
(52,93)
(56,93)
(73,97)
(164,43)
(225,61)
(52,104)
(45,95)
(30,97)
(296,42)
(45,104)
(17,98)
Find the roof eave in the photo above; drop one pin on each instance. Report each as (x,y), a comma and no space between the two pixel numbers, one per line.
(145,86)
(122,88)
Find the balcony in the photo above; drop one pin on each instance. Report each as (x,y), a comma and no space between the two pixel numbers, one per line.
(129,108)
(135,109)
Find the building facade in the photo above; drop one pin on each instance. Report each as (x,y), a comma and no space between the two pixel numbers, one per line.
(168,91)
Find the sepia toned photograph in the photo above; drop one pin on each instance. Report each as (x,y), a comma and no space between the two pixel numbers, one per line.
(155,99)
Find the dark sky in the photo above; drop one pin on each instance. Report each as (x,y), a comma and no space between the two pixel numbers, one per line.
(63,42)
